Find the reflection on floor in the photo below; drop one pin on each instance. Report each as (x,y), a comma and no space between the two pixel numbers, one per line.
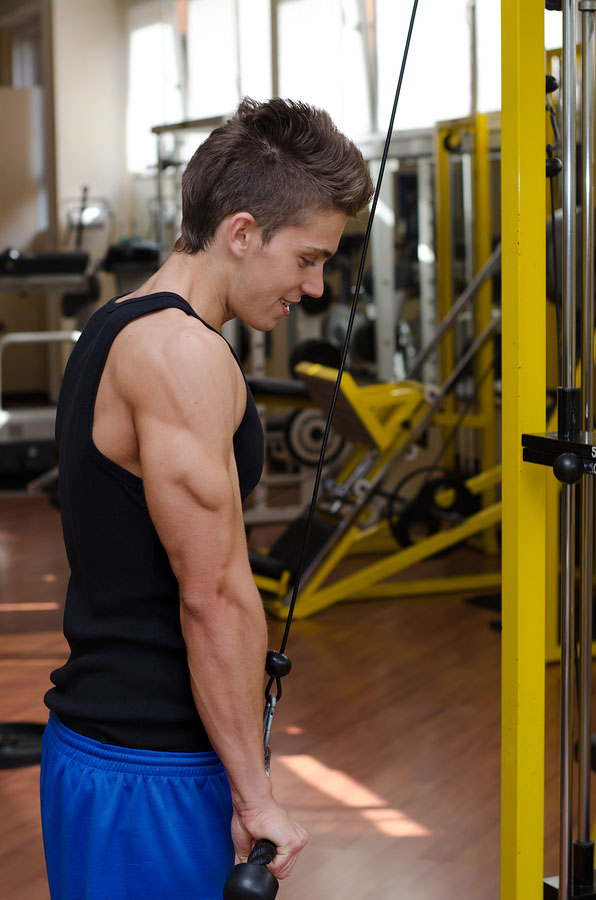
(386,742)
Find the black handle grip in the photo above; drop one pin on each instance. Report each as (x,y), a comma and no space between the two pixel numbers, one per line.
(252,880)
(262,853)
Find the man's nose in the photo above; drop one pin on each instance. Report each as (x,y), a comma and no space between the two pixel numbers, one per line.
(314,285)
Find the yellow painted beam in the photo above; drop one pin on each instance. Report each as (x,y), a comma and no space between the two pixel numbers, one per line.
(523,200)
(452,584)
(315,598)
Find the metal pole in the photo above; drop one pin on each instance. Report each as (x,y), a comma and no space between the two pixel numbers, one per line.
(490,266)
(274,48)
(567,491)
(368,29)
(588,8)
(426,264)
(472,21)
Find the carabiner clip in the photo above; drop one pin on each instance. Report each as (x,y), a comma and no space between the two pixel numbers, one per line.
(267,724)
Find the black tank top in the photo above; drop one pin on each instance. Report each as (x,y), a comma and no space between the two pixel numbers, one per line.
(126,681)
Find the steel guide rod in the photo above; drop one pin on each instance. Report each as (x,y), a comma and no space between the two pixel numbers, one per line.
(565,428)
(588,9)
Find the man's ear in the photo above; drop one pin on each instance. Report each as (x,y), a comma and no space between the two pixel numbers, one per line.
(241,232)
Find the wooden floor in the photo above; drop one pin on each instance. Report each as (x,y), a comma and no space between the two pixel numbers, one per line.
(386,743)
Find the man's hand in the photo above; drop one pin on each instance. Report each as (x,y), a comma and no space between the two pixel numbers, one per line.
(274,823)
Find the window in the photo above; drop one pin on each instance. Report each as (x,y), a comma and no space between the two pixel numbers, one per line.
(322,60)
(229,54)
(154,83)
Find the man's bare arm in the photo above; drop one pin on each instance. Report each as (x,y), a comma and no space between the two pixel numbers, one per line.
(191,402)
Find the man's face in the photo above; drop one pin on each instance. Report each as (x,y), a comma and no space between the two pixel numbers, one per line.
(277,274)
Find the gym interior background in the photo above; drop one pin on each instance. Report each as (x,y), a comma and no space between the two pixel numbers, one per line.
(388,743)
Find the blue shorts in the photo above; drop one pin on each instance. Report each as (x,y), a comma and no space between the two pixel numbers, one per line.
(121,824)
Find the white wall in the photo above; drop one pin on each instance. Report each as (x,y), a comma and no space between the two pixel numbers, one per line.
(89,68)
(24,368)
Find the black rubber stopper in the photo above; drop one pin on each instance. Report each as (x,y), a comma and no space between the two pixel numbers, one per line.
(252,880)
(553,166)
(568,411)
(277,664)
(568,468)
(551,84)
(583,865)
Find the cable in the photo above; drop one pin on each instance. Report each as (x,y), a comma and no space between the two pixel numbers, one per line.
(342,365)
(550,150)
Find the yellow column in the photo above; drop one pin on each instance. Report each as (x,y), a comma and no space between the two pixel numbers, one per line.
(523,275)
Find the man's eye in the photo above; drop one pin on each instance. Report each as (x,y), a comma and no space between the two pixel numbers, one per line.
(307,262)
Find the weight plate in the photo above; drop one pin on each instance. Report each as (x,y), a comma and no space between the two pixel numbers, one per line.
(413,525)
(446,495)
(304,435)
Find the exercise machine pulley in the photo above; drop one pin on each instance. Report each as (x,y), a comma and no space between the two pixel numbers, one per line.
(571,451)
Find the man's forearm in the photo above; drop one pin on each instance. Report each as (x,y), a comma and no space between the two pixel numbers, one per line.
(226,645)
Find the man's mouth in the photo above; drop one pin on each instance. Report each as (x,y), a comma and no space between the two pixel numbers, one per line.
(285,304)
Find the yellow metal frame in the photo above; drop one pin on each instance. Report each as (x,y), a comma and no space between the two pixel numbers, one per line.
(383,415)
(523,193)
(370,581)
(485,420)
(378,411)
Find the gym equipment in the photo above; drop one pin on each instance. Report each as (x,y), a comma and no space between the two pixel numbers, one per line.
(284,398)
(317,351)
(445,498)
(304,434)
(526,556)
(382,422)
(571,452)
(253,879)
(131,263)
(29,424)
(20,744)
(473,225)
(17,265)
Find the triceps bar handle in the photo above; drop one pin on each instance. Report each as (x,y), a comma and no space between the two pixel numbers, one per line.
(252,880)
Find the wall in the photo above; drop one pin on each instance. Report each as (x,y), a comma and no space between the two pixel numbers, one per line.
(89,71)
(24,368)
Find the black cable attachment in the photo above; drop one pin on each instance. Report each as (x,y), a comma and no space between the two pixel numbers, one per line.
(554,167)
(277,666)
(252,880)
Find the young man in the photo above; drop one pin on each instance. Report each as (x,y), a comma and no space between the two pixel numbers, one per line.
(153,771)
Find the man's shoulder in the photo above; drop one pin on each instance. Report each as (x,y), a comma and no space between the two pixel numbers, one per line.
(181,342)
(174,358)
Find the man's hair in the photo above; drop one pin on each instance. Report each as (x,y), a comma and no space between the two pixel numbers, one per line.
(282,161)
